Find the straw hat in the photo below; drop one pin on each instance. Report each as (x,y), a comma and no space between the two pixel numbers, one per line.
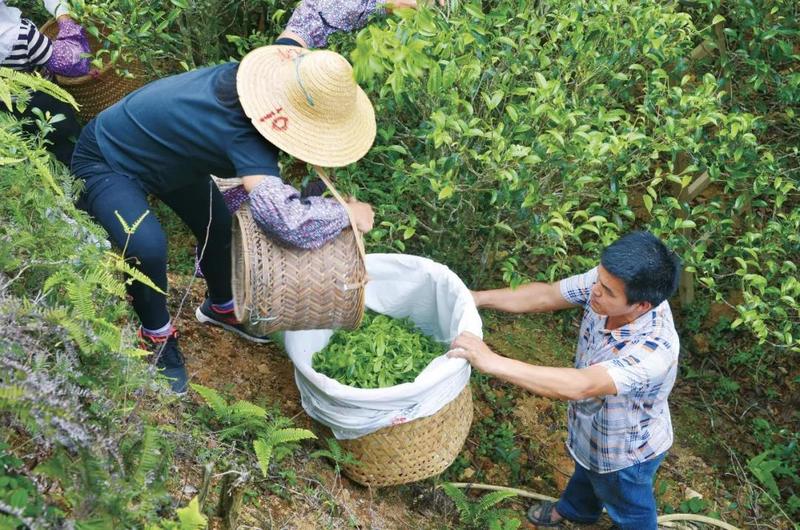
(307,104)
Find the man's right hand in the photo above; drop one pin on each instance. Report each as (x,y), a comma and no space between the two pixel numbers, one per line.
(362,214)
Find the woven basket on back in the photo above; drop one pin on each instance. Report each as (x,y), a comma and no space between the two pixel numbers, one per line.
(279,288)
(411,451)
(96,92)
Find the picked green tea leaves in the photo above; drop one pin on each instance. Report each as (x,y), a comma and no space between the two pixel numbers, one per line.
(383,352)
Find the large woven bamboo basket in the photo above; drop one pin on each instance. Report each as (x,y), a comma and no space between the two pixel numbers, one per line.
(280,288)
(411,451)
(97,92)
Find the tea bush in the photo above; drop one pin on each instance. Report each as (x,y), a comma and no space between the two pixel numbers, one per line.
(516,142)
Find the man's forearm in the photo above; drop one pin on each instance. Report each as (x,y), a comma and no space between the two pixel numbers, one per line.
(568,384)
(534,297)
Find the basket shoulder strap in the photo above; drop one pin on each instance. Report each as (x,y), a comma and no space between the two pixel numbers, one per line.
(359,239)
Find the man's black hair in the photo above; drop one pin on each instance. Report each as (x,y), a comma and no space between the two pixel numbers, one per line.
(649,270)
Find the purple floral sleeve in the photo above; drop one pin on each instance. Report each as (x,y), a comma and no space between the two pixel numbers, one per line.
(316,20)
(301,222)
(68,48)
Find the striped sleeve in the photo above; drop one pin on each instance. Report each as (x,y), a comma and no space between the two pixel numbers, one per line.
(578,289)
(39,46)
(30,49)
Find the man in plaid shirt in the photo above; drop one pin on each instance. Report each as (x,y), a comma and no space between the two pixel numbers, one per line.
(625,367)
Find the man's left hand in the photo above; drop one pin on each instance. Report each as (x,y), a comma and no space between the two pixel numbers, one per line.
(470,347)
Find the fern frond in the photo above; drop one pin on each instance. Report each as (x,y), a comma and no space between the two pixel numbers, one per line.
(214,400)
(490,499)
(59,277)
(11,394)
(76,333)
(135,274)
(96,523)
(108,334)
(191,517)
(106,280)
(283,436)
(243,411)
(137,353)
(131,229)
(81,298)
(149,456)
(459,498)
(38,159)
(263,451)
(17,82)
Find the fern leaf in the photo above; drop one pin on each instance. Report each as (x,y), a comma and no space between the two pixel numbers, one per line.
(108,334)
(459,498)
(263,453)
(61,276)
(136,353)
(96,523)
(19,81)
(283,436)
(135,274)
(136,223)
(243,411)
(489,500)
(107,281)
(76,333)
(125,227)
(5,96)
(81,298)
(191,517)
(150,456)
(11,394)
(213,399)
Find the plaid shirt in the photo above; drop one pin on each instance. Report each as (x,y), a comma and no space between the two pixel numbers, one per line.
(614,432)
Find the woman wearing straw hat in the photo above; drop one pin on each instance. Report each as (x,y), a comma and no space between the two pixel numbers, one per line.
(230,121)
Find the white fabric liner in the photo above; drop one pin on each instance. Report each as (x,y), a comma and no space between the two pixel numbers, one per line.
(437,301)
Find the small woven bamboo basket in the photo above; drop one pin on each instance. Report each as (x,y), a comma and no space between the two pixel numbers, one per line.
(97,92)
(411,451)
(280,288)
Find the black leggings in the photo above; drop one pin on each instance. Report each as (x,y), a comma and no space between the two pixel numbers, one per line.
(107,193)
(62,138)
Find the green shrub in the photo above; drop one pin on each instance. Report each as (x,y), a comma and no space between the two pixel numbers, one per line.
(515,144)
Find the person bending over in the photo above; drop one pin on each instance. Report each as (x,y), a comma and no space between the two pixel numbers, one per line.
(229,120)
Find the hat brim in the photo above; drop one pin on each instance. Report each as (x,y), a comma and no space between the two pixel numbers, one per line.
(263,81)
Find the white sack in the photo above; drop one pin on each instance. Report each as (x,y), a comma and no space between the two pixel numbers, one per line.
(437,301)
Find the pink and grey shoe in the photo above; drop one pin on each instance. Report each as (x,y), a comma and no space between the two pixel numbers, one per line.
(209,313)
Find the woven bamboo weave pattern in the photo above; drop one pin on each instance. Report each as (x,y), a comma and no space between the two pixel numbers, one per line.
(94,93)
(411,451)
(279,288)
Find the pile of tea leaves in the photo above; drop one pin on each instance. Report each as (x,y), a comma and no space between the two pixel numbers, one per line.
(383,352)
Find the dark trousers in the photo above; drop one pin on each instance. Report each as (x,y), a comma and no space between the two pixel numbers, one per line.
(108,193)
(627,496)
(62,138)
